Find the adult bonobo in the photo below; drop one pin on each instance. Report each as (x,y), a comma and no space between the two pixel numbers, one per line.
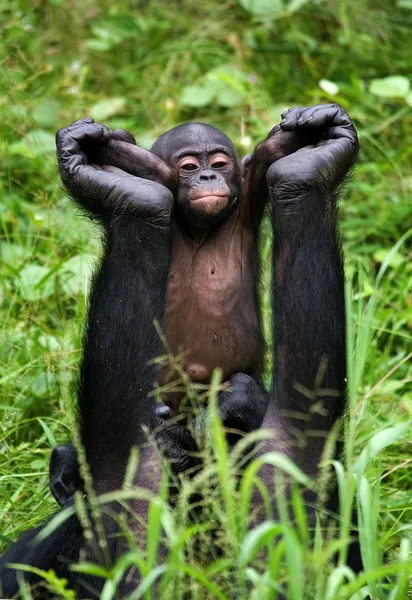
(130,290)
(212,312)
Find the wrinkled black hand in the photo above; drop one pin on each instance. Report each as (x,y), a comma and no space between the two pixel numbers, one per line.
(321,164)
(106,191)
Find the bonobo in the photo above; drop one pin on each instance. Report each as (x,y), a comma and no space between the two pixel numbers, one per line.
(130,290)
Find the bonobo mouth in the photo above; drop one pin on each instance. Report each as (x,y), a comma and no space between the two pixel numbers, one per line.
(212,204)
(209,197)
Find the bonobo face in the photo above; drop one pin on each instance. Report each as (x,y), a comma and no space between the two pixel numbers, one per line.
(209,171)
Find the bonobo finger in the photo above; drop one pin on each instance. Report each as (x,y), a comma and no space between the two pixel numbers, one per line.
(111,169)
(290,118)
(93,132)
(325,115)
(69,141)
(79,122)
(123,136)
(347,131)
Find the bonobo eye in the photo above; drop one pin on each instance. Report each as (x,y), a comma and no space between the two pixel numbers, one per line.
(189,163)
(219,161)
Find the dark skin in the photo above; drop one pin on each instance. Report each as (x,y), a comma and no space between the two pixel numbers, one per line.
(308,318)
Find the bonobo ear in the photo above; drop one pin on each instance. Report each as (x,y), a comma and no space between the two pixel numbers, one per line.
(245,164)
(64,473)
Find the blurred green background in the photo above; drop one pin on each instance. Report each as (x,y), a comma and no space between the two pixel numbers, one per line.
(147,66)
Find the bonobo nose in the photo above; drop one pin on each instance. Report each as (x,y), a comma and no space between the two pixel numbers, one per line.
(207,176)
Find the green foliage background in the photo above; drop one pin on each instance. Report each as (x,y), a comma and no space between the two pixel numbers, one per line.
(146,66)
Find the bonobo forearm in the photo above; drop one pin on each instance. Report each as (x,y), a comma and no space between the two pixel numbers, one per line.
(128,294)
(138,162)
(309,312)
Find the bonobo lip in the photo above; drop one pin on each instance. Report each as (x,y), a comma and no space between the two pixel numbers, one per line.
(209,197)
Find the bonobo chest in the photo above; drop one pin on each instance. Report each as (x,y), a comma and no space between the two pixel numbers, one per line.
(212,310)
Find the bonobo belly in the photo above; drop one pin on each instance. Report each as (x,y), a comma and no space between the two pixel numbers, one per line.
(212,314)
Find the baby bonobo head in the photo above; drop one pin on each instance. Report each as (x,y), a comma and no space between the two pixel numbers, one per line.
(208,168)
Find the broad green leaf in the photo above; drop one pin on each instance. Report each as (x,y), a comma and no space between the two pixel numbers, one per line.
(11,254)
(329,87)
(395,86)
(43,385)
(295,5)
(381,255)
(46,112)
(263,7)
(408,99)
(107,107)
(197,96)
(76,273)
(30,283)
(228,97)
(34,144)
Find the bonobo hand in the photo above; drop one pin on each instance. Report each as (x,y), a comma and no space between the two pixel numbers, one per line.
(241,407)
(106,191)
(331,148)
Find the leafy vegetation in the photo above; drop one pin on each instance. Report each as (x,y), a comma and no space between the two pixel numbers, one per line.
(146,66)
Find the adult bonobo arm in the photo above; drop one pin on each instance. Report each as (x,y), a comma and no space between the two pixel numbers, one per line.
(128,293)
(308,305)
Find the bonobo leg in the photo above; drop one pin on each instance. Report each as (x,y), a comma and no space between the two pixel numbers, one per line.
(241,407)
(308,307)
(128,293)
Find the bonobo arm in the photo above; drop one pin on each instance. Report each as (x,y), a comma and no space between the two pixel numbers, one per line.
(121,151)
(128,293)
(308,297)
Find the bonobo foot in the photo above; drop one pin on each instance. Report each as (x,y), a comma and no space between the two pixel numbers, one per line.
(64,472)
(330,148)
(241,407)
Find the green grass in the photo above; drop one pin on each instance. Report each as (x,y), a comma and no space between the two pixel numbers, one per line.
(147,66)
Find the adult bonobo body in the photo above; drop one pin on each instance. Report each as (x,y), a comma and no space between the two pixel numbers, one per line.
(130,290)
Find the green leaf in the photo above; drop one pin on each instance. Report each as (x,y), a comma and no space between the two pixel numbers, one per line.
(408,99)
(29,282)
(76,273)
(381,255)
(395,86)
(378,442)
(11,254)
(228,97)
(256,539)
(295,5)
(263,7)
(34,144)
(331,88)
(46,112)
(107,107)
(197,96)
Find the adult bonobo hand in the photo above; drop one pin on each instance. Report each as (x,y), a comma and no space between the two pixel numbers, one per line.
(330,150)
(106,191)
